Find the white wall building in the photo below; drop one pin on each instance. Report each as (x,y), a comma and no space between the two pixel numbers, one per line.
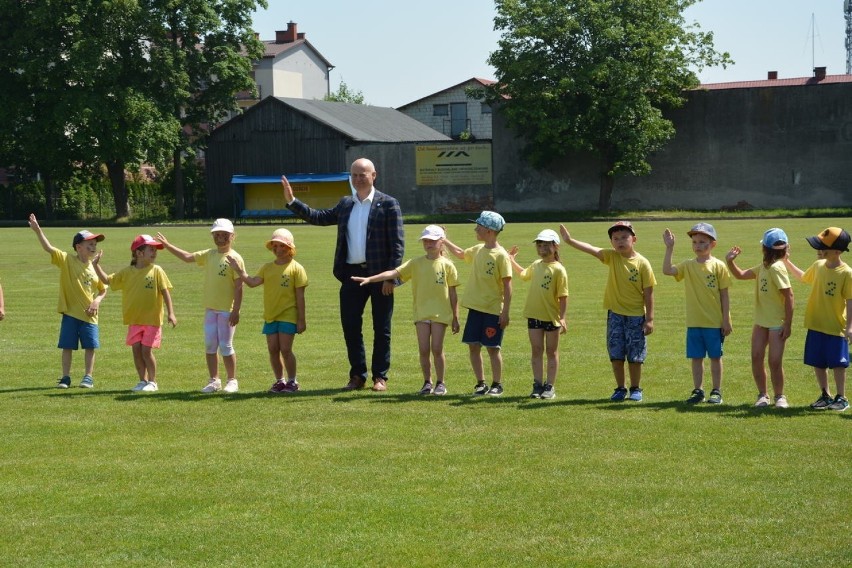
(453,113)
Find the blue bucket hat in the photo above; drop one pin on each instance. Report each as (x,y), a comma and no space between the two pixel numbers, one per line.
(491,220)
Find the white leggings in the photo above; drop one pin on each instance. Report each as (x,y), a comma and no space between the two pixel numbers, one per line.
(218,332)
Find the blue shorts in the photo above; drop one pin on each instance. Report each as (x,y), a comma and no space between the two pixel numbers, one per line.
(74,333)
(482,328)
(704,342)
(825,351)
(625,338)
(273,327)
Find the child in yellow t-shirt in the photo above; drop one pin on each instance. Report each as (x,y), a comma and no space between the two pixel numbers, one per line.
(223,298)
(433,279)
(80,295)
(144,291)
(629,301)
(545,308)
(828,315)
(487,298)
(284,281)
(773,313)
(708,313)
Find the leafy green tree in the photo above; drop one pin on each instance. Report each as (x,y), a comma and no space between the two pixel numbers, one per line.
(344,94)
(595,75)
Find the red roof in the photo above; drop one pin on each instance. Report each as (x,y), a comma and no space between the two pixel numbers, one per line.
(795,82)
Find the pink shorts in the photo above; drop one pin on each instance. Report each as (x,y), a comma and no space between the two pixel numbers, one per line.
(147,335)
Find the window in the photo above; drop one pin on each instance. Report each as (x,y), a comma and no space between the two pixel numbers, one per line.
(440,110)
(486,108)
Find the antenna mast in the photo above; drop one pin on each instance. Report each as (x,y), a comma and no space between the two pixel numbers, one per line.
(847,13)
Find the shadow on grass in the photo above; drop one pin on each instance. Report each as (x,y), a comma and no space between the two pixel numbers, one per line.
(31,389)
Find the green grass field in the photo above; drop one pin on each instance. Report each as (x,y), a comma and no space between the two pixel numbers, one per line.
(324,478)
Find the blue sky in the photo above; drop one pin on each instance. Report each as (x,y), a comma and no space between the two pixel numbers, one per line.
(396,52)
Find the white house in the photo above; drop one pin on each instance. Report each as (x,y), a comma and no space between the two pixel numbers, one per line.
(453,113)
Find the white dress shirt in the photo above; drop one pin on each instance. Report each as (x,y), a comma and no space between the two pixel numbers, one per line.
(356,230)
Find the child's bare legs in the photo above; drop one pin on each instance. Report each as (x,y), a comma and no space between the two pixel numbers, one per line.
(230,365)
(424,348)
(285,343)
(635,371)
(272,346)
(776,361)
(552,350)
(146,364)
(716,372)
(618,372)
(66,362)
(840,380)
(88,361)
(822,379)
(496,357)
(213,365)
(438,331)
(476,361)
(537,355)
(698,373)
(759,341)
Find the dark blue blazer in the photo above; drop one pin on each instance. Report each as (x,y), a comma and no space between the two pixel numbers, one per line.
(385,235)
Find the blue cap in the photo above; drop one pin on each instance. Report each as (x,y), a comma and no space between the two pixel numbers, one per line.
(491,220)
(775,239)
(704,229)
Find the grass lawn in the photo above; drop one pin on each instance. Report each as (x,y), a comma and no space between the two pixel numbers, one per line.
(326,478)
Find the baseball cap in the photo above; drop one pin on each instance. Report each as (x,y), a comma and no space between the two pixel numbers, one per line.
(490,220)
(432,233)
(704,229)
(773,237)
(620,225)
(85,235)
(832,238)
(282,236)
(222,225)
(548,236)
(142,240)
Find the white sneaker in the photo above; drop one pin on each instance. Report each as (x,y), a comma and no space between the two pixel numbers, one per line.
(213,386)
(139,386)
(150,387)
(781,402)
(231,386)
(762,400)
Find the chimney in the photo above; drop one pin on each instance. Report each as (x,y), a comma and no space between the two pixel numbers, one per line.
(301,35)
(287,36)
(819,73)
(772,75)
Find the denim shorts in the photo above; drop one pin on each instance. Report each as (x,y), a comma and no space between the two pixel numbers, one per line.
(74,333)
(625,338)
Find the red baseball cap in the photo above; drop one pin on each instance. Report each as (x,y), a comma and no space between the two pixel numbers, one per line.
(143,240)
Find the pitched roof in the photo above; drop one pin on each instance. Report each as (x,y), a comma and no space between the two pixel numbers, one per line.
(365,123)
(794,82)
(272,49)
(482,82)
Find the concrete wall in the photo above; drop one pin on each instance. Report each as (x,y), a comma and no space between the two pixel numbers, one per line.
(422,111)
(770,147)
(296,73)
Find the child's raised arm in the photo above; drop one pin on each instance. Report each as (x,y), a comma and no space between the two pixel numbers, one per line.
(736,271)
(454,249)
(251,281)
(180,253)
(96,264)
(512,253)
(669,241)
(380,277)
(792,268)
(580,245)
(45,244)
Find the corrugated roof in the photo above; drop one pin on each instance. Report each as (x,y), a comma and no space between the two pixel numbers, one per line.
(794,82)
(366,123)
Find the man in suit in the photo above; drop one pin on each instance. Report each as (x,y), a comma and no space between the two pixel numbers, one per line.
(370,240)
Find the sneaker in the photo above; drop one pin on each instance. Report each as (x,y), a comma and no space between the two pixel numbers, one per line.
(715,397)
(696,397)
(762,400)
(823,402)
(231,386)
(279,386)
(781,401)
(635,394)
(64,382)
(427,389)
(440,389)
(496,389)
(87,382)
(548,392)
(538,388)
(619,394)
(840,404)
(480,389)
(139,386)
(150,387)
(291,386)
(213,386)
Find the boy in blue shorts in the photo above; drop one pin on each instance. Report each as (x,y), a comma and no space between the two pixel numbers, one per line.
(629,301)
(80,295)
(487,298)
(708,310)
(828,315)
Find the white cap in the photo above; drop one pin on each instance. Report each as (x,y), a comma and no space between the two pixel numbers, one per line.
(222,225)
(548,236)
(432,233)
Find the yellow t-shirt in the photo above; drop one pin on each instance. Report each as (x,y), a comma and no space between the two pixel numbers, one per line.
(141,293)
(626,283)
(768,300)
(704,283)
(548,283)
(78,285)
(830,288)
(431,281)
(219,278)
(484,291)
(279,290)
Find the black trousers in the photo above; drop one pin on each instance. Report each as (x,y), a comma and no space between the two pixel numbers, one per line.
(353,301)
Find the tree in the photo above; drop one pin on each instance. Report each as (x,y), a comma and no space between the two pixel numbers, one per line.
(595,75)
(345,95)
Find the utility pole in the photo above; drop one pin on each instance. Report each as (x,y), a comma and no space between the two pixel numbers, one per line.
(847,13)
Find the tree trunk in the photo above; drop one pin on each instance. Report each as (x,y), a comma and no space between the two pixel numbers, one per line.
(177,173)
(605,195)
(115,169)
(49,196)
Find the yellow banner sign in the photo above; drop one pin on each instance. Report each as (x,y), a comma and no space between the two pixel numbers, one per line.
(454,164)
